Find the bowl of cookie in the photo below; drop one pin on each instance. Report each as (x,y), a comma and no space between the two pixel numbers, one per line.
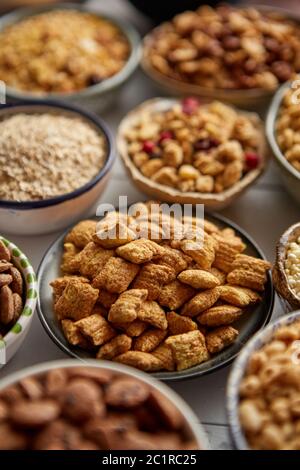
(188,151)
(65,405)
(163,295)
(18,296)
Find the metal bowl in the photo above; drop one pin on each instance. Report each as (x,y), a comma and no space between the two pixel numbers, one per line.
(290,176)
(96,97)
(252,320)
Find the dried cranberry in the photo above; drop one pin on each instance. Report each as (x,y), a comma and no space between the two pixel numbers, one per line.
(206,144)
(148,146)
(190,105)
(252,160)
(165,135)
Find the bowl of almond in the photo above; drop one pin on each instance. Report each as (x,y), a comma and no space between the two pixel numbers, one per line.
(173,297)
(18,296)
(187,151)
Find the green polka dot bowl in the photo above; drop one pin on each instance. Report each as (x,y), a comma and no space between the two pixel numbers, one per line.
(11,342)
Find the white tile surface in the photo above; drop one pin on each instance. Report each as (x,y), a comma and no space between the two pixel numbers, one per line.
(265,212)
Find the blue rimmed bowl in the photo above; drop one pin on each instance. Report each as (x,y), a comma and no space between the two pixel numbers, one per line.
(13,339)
(50,215)
(237,374)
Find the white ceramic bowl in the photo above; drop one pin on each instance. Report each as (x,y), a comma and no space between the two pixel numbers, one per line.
(50,215)
(238,371)
(192,424)
(11,342)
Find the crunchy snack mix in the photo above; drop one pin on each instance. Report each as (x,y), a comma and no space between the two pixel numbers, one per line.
(269,393)
(226,48)
(195,147)
(88,408)
(59,154)
(61,51)
(152,305)
(287,129)
(11,291)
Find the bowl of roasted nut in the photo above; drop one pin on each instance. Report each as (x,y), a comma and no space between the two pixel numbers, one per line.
(173,297)
(263,389)
(282,130)
(66,52)
(286,269)
(68,405)
(188,151)
(18,296)
(238,55)
(66,156)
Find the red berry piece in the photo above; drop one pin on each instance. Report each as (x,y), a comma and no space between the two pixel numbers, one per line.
(190,105)
(148,146)
(252,160)
(165,135)
(206,144)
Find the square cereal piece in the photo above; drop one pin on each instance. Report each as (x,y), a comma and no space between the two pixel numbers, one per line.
(151,312)
(118,345)
(199,279)
(152,277)
(188,349)
(221,275)
(201,302)
(175,294)
(96,329)
(92,259)
(238,296)
(59,285)
(226,251)
(70,262)
(164,353)
(82,233)
(247,271)
(116,275)
(220,315)
(140,251)
(126,308)
(77,300)
(178,324)
(73,334)
(113,234)
(149,340)
(173,258)
(106,298)
(201,251)
(132,329)
(220,338)
(141,360)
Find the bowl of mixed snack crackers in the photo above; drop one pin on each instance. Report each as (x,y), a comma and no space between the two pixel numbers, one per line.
(18,296)
(176,304)
(188,151)
(65,405)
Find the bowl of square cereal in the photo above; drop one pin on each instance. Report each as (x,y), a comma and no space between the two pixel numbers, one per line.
(282,129)
(187,151)
(67,52)
(263,389)
(239,55)
(175,298)
(68,405)
(18,296)
(55,161)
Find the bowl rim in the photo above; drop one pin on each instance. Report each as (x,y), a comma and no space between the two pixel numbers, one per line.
(90,118)
(108,84)
(191,419)
(271,119)
(172,193)
(237,372)
(21,261)
(166,376)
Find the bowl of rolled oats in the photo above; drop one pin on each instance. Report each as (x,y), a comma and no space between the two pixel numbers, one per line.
(154,292)
(66,52)
(68,405)
(66,156)
(286,270)
(236,54)
(282,130)
(18,296)
(188,151)
(263,389)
